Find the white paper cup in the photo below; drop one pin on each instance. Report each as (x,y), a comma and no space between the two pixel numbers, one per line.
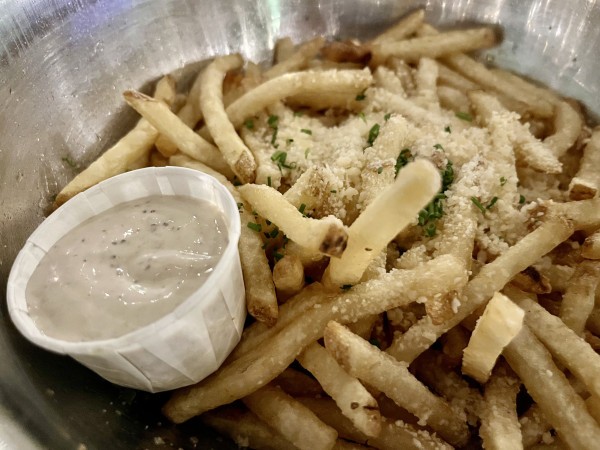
(182,347)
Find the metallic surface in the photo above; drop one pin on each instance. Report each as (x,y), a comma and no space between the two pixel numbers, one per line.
(63,65)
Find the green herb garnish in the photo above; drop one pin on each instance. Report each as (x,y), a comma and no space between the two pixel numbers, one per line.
(373,133)
(362,95)
(279,158)
(478,204)
(302,208)
(333,191)
(274,124)
(521,199)
(346,287)
(403,159)
(298,114)
(379,170)
(306,152)
(492,203)
(249,124)
(375,342)
(464,116)
(255,226)
(362,116)
(269,181)
(435,209)
(305,131)
(503,181)
(69,161)
(387,116)
(447,129)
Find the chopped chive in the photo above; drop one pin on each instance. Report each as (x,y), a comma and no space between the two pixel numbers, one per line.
(346,287)
(265,245)
(305,131)
(362,95)
(464,116)
(333,191)
(277,255)
(279,158)
(274,233)
(492,203)
(255,226)
(268,222)
(380,170)
(521,199)
(288,141)
(269,181)
(249,124)
(387,116)
(438,146)
(237,183)
(302,208)
(69,161)
(373,133)
(273,120)
(430,230)
(298,114)
(447,129)
(478,204)
(240,205)
(267,235)
(254,213)
(306,152)
(362,116)
(503,181)
(403,159)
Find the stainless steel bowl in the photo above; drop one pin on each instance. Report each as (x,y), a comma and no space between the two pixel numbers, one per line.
(63,65)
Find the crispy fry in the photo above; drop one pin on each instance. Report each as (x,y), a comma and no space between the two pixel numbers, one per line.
(117,159)
(453,99)
(394,434)
(234,151)
(259,366)
(284,48)
(368,363)
(585,214)
(345,52)
(550,389)
(276,408)
(570,349)
(402,29)
(246,429)
(327,235)
(288,275)
(344,83)
(567,125)
(434,46)
(500,428)
(498,325)
(591,246)
(351,397)
(579,298)
(168,124)
(490,279)
(261,300)
(586,183)
(399,204)
(297,60)
(530,280)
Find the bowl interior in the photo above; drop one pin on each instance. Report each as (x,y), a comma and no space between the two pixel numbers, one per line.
(64,65)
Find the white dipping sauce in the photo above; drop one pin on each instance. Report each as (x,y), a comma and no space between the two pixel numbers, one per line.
(126,267)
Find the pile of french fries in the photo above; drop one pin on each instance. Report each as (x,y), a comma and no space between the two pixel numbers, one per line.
(420,244)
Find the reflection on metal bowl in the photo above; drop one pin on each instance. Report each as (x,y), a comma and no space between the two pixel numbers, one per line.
(63,65)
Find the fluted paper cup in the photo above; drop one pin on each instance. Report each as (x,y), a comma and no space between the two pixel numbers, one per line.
(185,345)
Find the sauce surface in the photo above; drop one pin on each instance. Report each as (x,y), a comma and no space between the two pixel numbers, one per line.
(126,267)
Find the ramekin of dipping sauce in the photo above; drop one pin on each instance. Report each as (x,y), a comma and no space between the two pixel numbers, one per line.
(138,278)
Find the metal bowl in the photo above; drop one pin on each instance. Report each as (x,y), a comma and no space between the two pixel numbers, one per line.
(63,66)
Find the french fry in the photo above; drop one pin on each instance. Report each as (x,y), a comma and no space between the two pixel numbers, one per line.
(453,99)
(246,429)
(345,52)
(528,149)
(297,60)
(386,79)
(584,214)
(327,235)
(380,172)
(260,365)
(570,349)
(234,151)
(586,183)
(394,434)
(591,246)
(579,298)
(453,79)
(296,383)
(284,48)
(530,280)
(345,83)
(480,289)
(349,394)
(261,300)
(567,125)
(435,46)
(366,362)
(276,408)
(500,428)
(480,74)
(168,124)
(533,425)
(189,114)
(551,390)
(402,29)
(117,159)
(288,275)
(399,204)
(498,325)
